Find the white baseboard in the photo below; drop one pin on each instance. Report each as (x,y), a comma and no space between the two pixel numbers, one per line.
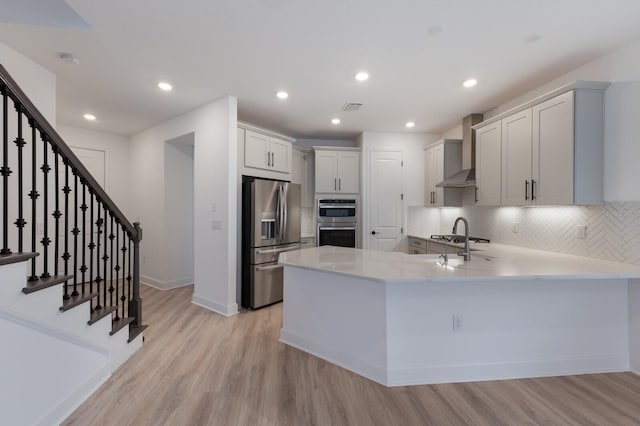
(165,285)
(219,308)
(376,373)
(57,415)
(507,370)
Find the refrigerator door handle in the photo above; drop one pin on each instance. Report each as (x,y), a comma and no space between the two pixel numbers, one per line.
(280,250)
(267,268)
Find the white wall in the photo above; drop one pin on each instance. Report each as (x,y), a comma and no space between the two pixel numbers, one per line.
(36,81)
(413,179)
(118,164)
(179,162)
(215,168)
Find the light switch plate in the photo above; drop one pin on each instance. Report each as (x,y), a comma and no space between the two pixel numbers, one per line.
(581,232)
(216,224)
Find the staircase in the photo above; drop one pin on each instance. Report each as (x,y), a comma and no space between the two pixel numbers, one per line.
(69,271)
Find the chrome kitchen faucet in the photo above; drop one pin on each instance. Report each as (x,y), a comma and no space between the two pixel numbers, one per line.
(466,254)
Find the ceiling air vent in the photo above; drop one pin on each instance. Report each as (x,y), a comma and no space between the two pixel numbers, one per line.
(351,106)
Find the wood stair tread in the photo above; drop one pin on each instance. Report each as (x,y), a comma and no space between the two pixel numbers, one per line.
(7,259)
(74,301)
(134,331)
(120,324)
(98,314)
(43,283)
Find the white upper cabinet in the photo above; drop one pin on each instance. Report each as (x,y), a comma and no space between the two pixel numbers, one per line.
(551,150)
(266,152)
(516,159)
(337,171)
(489,164)
(442,159)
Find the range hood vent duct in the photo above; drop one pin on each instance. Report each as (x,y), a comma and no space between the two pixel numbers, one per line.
(465,178)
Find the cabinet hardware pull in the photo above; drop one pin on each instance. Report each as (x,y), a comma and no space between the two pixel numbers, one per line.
(339,184)
(533,189)
(268,159)
(526,189)
(273,164)
(476,193)
(335,184)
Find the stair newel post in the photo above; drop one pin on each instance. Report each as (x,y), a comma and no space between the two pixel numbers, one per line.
(83,207)
(117,268)
(20,143)
(66,254)
(34,197)
(111,238)
(98,279)
(135,304)
(56,214)
(5,171)
(123,298)
(75,232)
(45,241)
(92,246)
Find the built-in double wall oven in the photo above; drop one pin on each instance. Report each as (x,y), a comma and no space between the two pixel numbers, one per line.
(338,222)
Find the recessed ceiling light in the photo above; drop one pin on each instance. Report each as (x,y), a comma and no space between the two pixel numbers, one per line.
(68,58)
(282,94)
(89,117)
(362,76)
(436,29)
(410,124)
(335,121)
(470,83)
(165,86)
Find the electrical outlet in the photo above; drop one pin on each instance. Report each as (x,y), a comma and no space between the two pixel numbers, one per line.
(581,232)
(216,224)
(515,227)
(457,322)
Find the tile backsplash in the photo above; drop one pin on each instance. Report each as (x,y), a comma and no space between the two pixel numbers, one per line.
(612,230)
(307,221)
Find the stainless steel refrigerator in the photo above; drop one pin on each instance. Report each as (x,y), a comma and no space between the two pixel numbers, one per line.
(270,226)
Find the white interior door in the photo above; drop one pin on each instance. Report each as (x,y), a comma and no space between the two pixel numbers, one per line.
(385,202)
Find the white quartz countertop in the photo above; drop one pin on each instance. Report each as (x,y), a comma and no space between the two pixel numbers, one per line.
(494,261)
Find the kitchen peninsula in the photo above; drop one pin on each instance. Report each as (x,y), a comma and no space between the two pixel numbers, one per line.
(510,312)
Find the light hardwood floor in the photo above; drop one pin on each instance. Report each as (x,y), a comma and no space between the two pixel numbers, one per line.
(199,368)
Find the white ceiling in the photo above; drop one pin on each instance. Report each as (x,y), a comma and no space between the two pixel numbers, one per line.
(252,48)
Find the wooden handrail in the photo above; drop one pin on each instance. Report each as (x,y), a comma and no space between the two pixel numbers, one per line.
(48,132)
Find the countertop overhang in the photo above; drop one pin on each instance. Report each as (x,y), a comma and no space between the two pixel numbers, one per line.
(493,262)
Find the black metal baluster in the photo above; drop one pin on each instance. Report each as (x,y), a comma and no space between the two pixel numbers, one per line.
(20,143)
(5,171)
(66,256)
(75,234)
(98,279)
(56,214)
(105,258)
(123,298)
(84,207)
(92,246)
(117,267)
(129,274)
(45,241)
(34,196)
(111,237)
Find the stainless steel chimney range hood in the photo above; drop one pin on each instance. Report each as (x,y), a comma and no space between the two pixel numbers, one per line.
(466,178)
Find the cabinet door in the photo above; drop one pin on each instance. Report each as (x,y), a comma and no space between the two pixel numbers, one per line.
(489,164)
(280,155)
(256,150)
(553,151)
(516,159)
(326,171)
(349,172)
(438,175)
(430,177)
(308,183)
